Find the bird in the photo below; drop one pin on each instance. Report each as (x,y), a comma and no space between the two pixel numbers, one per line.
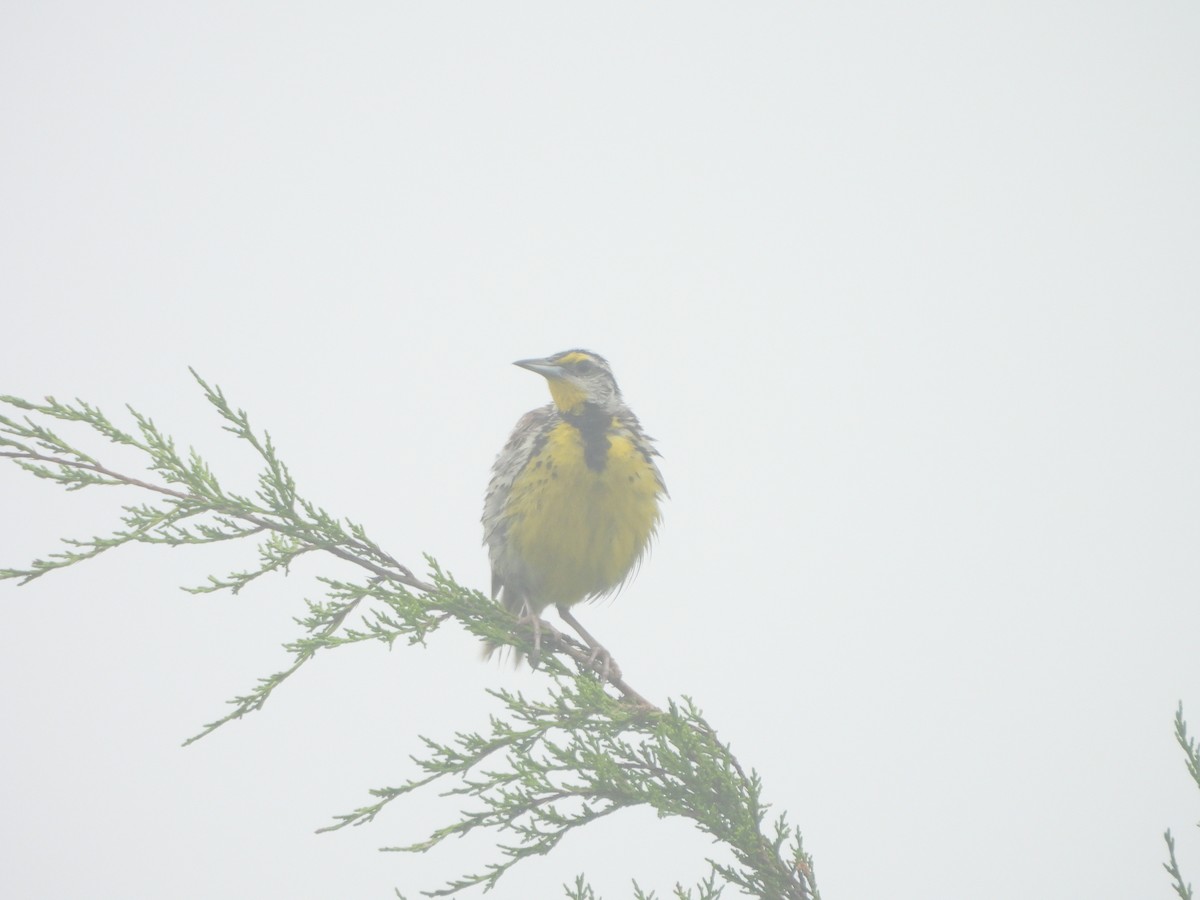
(574,500)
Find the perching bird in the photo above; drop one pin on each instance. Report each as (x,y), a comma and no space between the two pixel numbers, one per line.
(574,497)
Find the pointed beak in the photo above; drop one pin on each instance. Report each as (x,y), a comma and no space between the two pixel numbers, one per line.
(543,367)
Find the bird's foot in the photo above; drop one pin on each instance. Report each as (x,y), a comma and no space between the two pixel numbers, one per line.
(538,626)
(599,659)
(603,664)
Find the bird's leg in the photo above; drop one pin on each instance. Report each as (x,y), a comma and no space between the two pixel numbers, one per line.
(607,665)
(537,641)
(533,620)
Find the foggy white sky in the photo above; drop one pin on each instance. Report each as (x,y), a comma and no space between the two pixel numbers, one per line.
(906,292)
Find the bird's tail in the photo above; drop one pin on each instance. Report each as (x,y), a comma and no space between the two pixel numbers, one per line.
(518,606)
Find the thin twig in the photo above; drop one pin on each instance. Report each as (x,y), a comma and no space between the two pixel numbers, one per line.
(402,574)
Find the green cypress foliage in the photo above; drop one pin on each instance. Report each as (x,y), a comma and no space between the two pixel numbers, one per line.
(541,767)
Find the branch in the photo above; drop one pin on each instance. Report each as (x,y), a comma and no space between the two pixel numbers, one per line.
(1183,890)
(1191,755)
(596,746)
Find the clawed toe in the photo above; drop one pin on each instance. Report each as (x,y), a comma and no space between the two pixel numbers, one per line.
(533,621)
(601,661)
(540,627)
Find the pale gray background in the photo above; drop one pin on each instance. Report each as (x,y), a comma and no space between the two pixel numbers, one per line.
(907,293)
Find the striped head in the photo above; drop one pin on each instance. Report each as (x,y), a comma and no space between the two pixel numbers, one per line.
(577,378)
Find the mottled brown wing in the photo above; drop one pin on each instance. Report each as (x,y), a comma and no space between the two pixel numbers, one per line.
(524,441)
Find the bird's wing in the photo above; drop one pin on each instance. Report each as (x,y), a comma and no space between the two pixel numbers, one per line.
(529,432)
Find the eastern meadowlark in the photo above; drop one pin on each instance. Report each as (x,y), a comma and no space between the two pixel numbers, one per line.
(573,500)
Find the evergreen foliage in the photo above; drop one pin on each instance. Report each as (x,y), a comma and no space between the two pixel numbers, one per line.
(542,768)
(1192,756)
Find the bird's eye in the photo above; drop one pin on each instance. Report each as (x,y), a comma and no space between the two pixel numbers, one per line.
(584,366)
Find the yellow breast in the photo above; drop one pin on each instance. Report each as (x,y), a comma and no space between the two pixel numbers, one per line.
(579,530)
